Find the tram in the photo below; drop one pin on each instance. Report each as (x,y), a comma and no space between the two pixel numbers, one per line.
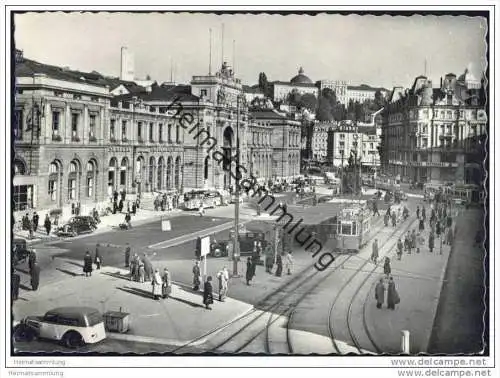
(353,226)
(209,198)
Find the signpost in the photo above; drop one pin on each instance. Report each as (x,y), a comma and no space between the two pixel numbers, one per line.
(205,250)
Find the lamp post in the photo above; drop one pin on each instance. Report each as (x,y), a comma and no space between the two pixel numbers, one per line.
(135,180)
(236,244)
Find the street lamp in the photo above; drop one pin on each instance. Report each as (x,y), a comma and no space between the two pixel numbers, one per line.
(236,244)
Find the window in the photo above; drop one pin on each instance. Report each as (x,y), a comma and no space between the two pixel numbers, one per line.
(177,134)
(90,186)
(55,122)
(169,133)
(53,190)
(58,94)
(151,129)
(94,98)
(139,130)
(112,128)
(461,114)
(19,124)
(74,124)
(371,146)
(160,132)
(92,119)
(124,130)
(22,196)
(77,97)
(72,189)
(152,109)
(342,136)
(203,92)
(161,110)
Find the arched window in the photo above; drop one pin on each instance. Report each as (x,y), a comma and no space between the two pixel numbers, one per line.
(91,178)
(123,172)
(205,170)
(54,177)
(169,172)
(112,175)
(73,183)
(151,170)
(177,175)
(159,178)
(19,168)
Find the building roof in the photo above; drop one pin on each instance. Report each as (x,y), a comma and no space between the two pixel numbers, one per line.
(268,114)
(364,87)
(301,78)
(252,89)
(294,84)
(162,93)
(28,67)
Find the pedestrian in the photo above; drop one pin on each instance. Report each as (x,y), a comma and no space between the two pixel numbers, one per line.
(438,228)
(201,209)
(47,224)
(30,228)
(127,220)
(413,239)
(134,208)
(208,295)
(374,256)
(269,259)
(223,277)
(418,212)
(36,218)
(87,264)
(387,267)
(15,282)
(408,242)
(167,284)
(196,276)
(288,263)
(380,293)
(128,207)
(134,268)
(431,242)
(32,259)
(157,284)
(250,270)
(421,224)
(97,258)
(375,208)
(399,251)
(148,267)
(35,276)
(423,213)
(127,256)
(141,271)
(279,265)
(386,219)
(392,295)
(393,218)
(120,206)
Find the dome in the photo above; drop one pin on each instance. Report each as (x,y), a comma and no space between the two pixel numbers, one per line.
(301,78)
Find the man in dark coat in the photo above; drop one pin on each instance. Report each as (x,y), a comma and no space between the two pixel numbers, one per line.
(438,228)
(393,218)
(15,282)
(87,264)
(35,276)
(380,293)
(148,268)
(421,224)
(127,256)
(47,224)
(208,293)
(250,270)
(134,208)
(269,260)
(196,276)
(392,295)
(36,219)
(375,208)
(279,265)
(431,242)
(423,213)
(418,212)
(399,249)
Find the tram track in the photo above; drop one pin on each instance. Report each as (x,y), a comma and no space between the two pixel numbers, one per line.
(253,327)
(352,295)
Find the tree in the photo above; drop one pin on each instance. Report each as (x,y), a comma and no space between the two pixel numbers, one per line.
(379,99)
(308,101)
(148,77)
(324,111)
(293,98)
(264,85)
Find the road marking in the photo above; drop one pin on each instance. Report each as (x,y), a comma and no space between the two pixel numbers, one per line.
(184,238)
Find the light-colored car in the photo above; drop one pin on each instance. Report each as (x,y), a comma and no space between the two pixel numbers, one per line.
(73,326)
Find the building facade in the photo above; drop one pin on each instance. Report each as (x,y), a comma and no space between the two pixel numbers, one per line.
(434,134)
(346,93)
(319,143)
(76,141)
(299,83)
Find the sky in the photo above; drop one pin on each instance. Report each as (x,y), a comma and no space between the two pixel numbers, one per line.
(384,51)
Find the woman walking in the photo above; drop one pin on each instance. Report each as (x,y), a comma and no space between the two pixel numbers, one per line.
(208,296)
(431,242)
(141,271)
(392,295)
(97,258)
(387,267)
(157,284)
(47,224)
(87,264)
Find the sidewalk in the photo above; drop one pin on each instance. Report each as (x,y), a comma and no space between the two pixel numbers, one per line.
(107,223)
(173,321)
(418,279)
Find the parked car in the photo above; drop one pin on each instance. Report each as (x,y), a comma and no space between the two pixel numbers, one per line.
(75,229)
(73,326)
(84,219)
(219,249)
(20,251)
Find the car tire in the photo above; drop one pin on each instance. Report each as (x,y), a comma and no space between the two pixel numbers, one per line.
(23,333)
(72,340)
